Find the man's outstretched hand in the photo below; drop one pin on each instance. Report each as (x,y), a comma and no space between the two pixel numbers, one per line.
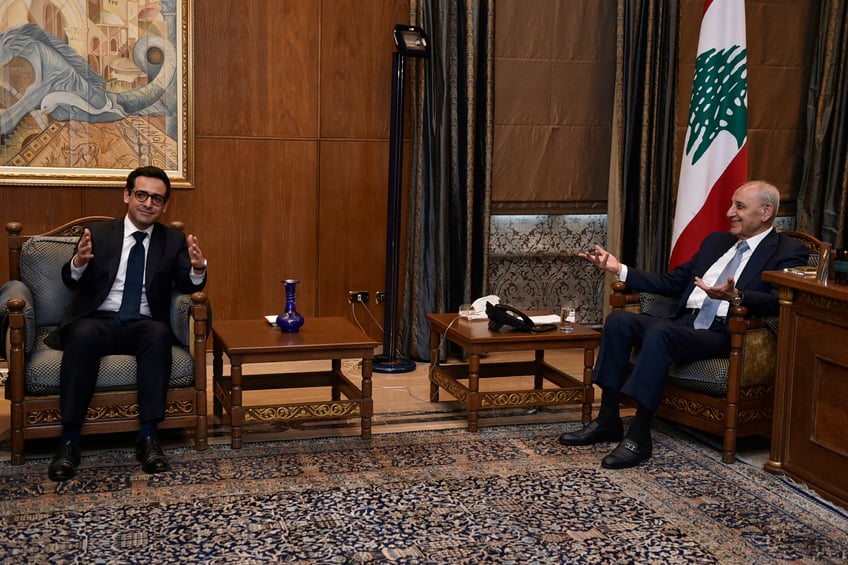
(602,259)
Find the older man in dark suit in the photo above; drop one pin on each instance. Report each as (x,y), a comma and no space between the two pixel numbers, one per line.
(123,272)
(725,270)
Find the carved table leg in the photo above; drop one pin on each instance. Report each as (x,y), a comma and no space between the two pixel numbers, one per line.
(236,409)
(367,402)
(217,377)
(336,394)
(435,338)
(473,400)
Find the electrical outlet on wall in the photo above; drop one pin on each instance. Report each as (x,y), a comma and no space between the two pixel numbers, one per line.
(358,296)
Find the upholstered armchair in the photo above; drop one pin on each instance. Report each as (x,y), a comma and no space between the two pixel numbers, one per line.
(31,305)
(732,396)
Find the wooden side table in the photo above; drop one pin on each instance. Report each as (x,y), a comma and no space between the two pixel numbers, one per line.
(475,337)
(255,341)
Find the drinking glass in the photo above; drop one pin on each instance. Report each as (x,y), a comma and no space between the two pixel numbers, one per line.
(567,317)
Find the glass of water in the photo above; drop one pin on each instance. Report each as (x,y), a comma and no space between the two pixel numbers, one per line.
(567,317)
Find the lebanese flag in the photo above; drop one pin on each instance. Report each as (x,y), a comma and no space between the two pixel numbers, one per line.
(715,154)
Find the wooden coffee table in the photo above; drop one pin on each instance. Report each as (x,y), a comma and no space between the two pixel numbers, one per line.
(475,337)
(256,341)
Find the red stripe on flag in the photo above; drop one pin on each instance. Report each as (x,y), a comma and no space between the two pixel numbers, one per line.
(707,5)
(710,214)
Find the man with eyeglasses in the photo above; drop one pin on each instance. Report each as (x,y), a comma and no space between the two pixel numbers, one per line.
(123,272)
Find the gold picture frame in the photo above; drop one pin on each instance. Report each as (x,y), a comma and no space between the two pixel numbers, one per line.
(92,89)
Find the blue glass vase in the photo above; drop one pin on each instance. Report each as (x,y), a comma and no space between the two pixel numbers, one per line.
(289,320)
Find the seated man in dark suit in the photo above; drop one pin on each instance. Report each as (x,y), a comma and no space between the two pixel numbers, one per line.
(123,272)
(725,270)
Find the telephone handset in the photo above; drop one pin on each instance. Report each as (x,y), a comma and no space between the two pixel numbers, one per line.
(479,305)
(477,309)
(503,317)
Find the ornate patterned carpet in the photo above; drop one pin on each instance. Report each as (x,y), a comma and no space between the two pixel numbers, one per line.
(505,495)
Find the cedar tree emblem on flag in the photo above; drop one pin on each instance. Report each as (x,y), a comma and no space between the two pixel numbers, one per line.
(718,99)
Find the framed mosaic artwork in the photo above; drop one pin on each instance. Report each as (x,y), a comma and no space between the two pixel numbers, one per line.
(91,89)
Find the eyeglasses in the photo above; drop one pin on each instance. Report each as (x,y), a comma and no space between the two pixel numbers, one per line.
(143,195)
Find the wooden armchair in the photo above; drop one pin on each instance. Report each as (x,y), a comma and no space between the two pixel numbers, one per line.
(730,397)
(31,305)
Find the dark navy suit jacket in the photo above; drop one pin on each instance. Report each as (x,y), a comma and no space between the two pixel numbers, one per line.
(168,266)
(775,252)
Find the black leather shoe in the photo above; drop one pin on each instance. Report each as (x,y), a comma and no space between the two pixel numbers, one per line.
(65,462)
(628,453)
(150,454)
(593,433)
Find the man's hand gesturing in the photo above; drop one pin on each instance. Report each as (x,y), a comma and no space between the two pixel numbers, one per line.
(84,250)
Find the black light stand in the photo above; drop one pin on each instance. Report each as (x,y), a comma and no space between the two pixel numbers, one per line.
(410,41)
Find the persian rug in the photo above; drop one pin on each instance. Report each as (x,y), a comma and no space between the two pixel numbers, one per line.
(508,494)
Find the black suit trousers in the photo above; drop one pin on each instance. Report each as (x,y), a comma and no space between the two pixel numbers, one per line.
(661,341)
(88,339)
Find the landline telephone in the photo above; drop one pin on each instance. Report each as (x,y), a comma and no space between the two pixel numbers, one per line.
(503,317)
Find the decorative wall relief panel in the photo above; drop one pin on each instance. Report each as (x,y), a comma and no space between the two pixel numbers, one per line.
(533,263)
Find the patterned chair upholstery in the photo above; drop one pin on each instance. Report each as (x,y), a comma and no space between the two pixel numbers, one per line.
(732,396)
(31,305)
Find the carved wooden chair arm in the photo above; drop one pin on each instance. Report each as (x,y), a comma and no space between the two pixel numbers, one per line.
(622,298)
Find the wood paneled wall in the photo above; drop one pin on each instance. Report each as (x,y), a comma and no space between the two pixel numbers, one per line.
(291,110)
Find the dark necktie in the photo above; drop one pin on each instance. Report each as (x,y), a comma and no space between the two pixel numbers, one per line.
(705,317)
(131,300)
